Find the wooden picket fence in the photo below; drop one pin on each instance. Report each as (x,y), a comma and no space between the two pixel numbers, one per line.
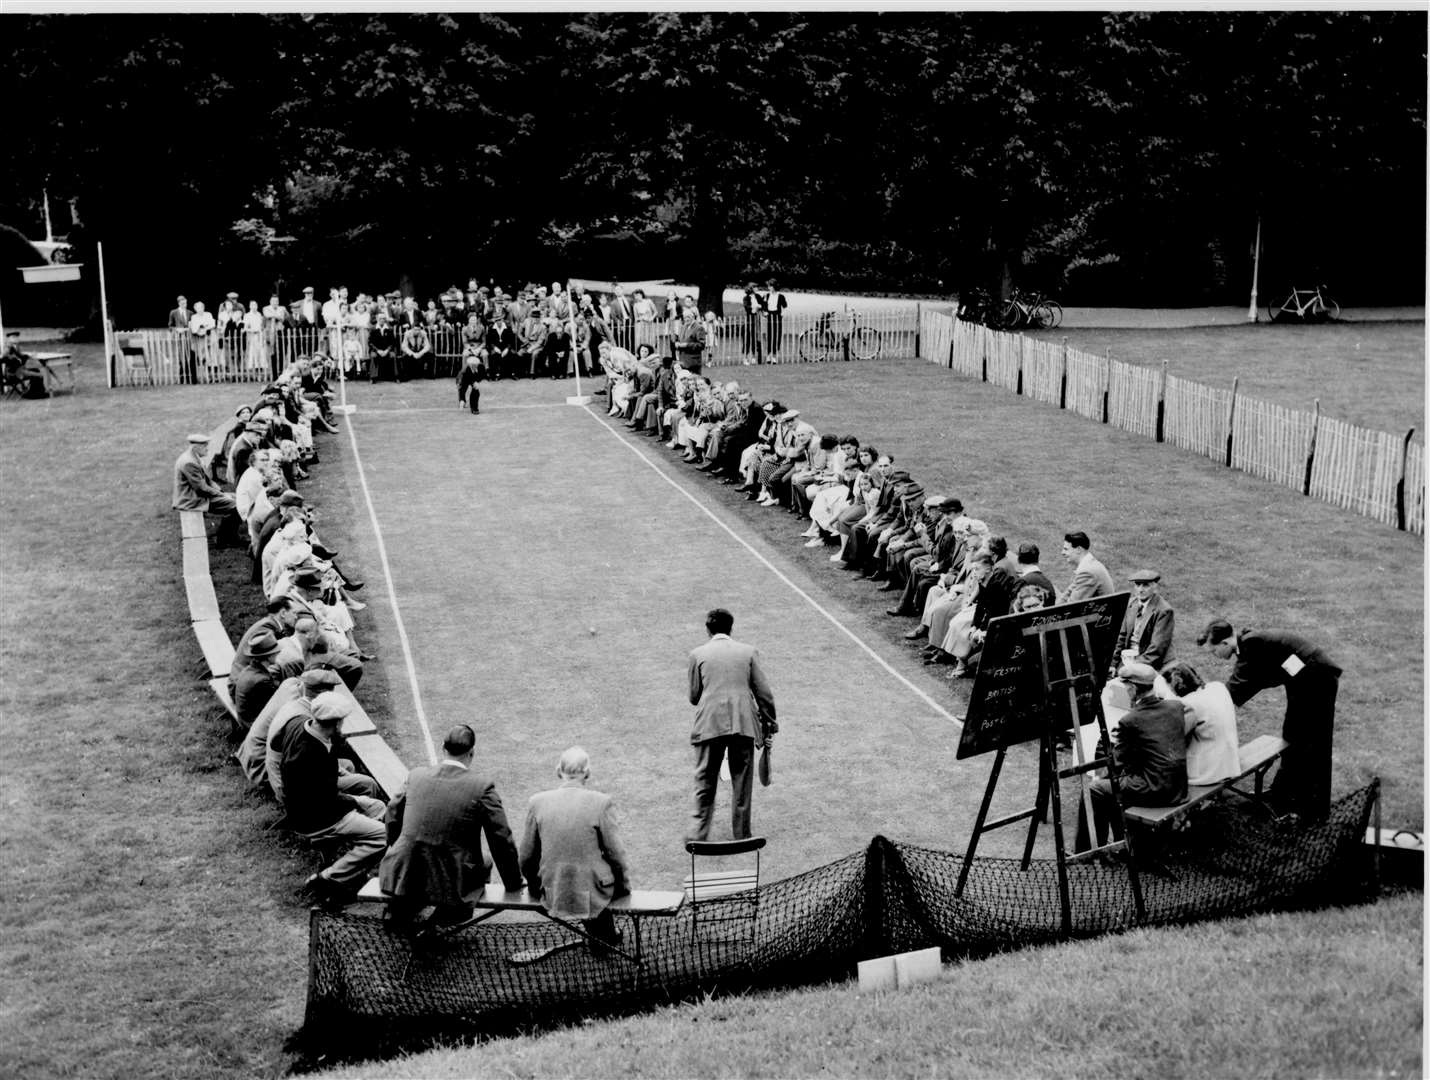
(1374,473)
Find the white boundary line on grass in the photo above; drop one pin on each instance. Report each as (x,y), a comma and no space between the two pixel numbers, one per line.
(391,589)
(811,601)
(487,408)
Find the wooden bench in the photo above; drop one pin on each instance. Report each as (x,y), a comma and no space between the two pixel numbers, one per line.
(217,649)
(1257,757)
(192,526)
(203,601)
(379,762)
(221,691)
(494,898)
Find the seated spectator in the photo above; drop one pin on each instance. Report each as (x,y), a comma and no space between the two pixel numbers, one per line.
(417,356)
(729,437)
(556,349)
(1031,574)
(821,459)
(957,643)
(501,346)
(1213,752)
(195,489)
(23,371)
(254,494)
(285,726)
(252,753)
(833,491)
(218,466)
(1146,634)
(434,835)
(311,593)
(790,446)
(1090,578)
(532,337)
(923,570)
(571,853)
(652,406)
(320,812)
(382,348)
(762,445)
(255,675)
(866,501)
(1150,753)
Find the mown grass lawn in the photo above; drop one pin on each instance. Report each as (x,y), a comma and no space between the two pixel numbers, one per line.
(1371,374)
(152,929)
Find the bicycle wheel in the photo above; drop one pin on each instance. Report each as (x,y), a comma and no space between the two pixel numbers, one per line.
(1327,310)
(1050,314)
(865,343)
(813,346)
(1010,316)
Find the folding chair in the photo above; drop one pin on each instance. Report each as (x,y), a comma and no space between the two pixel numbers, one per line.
(727,896)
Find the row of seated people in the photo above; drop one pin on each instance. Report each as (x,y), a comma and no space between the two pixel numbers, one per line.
(288,668)
(947,568)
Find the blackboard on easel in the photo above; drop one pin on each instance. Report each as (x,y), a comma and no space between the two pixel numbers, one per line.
(1009,704)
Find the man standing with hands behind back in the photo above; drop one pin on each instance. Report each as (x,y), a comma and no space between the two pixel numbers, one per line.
(734,714)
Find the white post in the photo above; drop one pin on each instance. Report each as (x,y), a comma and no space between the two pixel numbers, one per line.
(104,319)
(579,398)
(2,332)
(49,229)
(1255,271)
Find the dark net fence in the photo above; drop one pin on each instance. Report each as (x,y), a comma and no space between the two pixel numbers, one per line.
(370,983)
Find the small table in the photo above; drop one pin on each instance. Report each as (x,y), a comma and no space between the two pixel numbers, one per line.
(59,370)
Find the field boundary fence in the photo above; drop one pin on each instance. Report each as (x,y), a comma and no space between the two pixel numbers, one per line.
(1374,473)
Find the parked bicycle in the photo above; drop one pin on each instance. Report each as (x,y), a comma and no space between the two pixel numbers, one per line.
(1305,305)
(1025,311)
(821,341)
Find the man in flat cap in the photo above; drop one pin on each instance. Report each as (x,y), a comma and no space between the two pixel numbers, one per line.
(1149,752)
(1146,634)
(252,752)
(194,489)
(318,810)
(1267,658)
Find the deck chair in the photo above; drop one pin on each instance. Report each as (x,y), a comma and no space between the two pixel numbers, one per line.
(724,902)
(136,361)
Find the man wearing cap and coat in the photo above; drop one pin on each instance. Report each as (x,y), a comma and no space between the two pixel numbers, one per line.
(194,489)
(255,675)
(1149,752)
(1147,625)
(1267,658)
(434,835)
(318,810)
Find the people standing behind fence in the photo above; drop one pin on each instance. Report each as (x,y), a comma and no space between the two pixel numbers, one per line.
(752,305)
(774,306)
(645,319)
(203,338)
(275,322)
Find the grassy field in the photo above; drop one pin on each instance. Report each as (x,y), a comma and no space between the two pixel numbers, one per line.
(1371,374)
(153,930)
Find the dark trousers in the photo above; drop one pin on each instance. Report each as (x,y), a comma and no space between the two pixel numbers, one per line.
(776,328)
(1303,781)
(708,755)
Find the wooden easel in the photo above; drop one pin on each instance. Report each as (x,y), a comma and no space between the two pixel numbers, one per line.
(1080,673)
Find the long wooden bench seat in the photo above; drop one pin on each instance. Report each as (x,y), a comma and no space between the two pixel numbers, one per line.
(379,762)
(1257,757)
(203,601)
(192,526)
(217,649)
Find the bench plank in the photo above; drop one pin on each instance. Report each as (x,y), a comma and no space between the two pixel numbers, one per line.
(496,897)
(203,601)
(1256,757)
(218,650)
(380,762)
(196,556)
(220,689)
(191,525)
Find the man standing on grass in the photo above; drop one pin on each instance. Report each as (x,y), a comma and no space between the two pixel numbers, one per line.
(734,715)
(434,829)
(1267,658)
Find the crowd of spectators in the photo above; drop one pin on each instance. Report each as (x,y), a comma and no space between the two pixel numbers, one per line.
(944,568)
(536,331)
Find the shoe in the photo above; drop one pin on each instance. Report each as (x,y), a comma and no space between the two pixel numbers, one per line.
(354,604)
(704,466)
(917,633)
(751,497)
(818,541)
(670,445)
(748,487)
(890,586)
(900,612)
(813,530)
(960,670)
(838,560)
(352,585)
(874,575)
(366,657)
(941,657)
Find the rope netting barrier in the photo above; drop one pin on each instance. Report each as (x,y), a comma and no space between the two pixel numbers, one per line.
(372,982)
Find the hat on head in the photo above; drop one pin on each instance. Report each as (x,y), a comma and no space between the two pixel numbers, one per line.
(307,288)
(1137,674)
(291,498)
(262,643)
(1142,576)
(232,296)
(937,502)
(197,438)
(1216,631)
(254,425)
(307,579)
(329,706)
(790,415)
(320,678)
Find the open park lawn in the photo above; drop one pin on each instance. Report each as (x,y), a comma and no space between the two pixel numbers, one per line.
(551,571)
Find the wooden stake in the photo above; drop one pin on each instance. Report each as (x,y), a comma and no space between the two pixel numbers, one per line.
(1231,417)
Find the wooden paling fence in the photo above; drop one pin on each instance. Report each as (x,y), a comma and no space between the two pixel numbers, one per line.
(811,336)
(1374,473)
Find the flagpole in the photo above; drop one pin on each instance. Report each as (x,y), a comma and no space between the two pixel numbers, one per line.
(104,318)
(1255,271)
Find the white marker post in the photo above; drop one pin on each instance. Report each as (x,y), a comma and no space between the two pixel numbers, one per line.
(579,398)
(1255,271)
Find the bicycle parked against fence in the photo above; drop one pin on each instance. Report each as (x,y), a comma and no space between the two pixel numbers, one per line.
(821,341)
(1305,305)
(1025,311)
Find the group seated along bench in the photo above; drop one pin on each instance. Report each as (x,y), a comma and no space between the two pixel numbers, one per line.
(494,898)
(1257,757)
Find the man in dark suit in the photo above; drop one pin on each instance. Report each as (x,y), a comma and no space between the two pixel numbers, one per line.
(734,715)
(622,315)
(1090,578)
(179,325)
(571,853)
(1146,631)
(1267,658)
(434,833)
(501,346)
